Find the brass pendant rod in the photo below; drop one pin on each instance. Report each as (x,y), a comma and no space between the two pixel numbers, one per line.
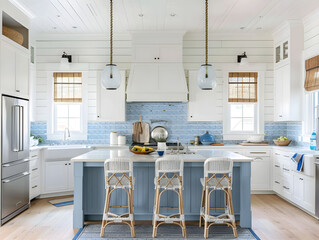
(111,31)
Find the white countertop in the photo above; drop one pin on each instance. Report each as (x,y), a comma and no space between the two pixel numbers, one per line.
(232,147)
(200,156)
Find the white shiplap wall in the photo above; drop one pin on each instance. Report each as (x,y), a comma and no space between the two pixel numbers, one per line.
(311,34)
(93,50)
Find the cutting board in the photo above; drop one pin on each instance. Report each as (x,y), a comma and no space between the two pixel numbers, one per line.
(140,132)
(253,144)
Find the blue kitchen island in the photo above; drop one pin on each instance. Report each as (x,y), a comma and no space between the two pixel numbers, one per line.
(89,188)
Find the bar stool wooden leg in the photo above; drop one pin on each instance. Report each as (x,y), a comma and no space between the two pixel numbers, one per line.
(130,207)
(106,209)
(202,206)
(207,206)
(181,207)
(232,213)
(157,206)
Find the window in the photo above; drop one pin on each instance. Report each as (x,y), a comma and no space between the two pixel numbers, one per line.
(242,117)
(67,101)
(242,100)
(312,101)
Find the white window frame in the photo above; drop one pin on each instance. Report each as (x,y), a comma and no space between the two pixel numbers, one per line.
(255,117)
(75,135)
(309,115)
(259,105)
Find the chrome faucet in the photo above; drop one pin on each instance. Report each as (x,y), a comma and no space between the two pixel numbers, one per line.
(177,145)
(67,134)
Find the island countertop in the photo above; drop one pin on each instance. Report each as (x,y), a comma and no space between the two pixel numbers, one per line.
(198,156)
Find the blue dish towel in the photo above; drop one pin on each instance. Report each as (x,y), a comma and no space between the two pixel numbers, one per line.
(298,159)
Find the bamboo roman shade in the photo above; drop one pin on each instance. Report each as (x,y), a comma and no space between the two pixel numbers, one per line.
(242,87)
(67,87)
(312,74)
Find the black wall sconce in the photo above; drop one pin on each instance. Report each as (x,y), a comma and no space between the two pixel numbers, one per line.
(242,58)
(65,56)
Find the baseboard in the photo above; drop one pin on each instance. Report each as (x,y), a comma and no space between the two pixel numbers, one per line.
(48,195)
(296,205)
(263,192)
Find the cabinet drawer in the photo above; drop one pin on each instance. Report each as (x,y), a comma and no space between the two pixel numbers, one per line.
(258,153)
(277,186)
(35,172)
(34,165)
(35,188)
(34,154)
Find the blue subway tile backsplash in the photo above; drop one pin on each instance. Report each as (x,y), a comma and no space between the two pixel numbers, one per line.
(177,125)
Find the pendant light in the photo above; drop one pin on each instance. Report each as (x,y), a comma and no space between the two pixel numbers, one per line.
(111,77)
(206,77)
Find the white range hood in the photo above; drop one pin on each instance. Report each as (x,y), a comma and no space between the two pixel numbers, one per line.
(157,73)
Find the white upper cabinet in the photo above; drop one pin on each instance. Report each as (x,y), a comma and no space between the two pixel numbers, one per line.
(203,105)
(288,47)
(111,103)
(14,70)
(157,53)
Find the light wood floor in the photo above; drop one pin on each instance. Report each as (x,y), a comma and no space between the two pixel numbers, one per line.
(273,219)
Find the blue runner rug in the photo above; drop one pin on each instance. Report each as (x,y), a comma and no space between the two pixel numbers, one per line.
(92,232)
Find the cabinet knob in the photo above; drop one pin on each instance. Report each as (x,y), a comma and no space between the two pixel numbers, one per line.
(98,116)
(158,58)
(17,90)
(301,179)
(191,116)
(65,164)
(280,115)
(155,58)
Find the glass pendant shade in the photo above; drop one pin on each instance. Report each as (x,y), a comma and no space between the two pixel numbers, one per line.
(111,77)
(206,77)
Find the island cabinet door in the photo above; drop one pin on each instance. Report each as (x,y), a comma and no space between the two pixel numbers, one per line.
(144,174)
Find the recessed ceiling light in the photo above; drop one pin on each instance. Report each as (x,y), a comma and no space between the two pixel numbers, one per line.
(173,14)
(74,27)
(242,28)
(141,15)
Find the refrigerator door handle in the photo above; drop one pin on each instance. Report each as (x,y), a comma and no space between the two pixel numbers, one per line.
(21,128)
(15,128)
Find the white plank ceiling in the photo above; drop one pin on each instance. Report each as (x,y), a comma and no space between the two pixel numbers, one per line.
(92,16)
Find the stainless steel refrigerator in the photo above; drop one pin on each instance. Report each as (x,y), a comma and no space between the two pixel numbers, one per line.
(14,157)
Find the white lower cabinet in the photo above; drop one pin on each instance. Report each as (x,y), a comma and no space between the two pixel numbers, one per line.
(297,187)
(58,177)
(35,174)
(304,194)
(260,169)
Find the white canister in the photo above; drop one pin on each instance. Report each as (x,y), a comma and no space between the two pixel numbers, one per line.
(121,140)
(161,146)
(113,138)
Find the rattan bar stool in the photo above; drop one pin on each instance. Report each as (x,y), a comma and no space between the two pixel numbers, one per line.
(168,177)
(118,175)
(217,177)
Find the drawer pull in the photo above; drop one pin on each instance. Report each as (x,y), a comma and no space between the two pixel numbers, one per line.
(34,156)
(301,179)
(277,154)
(277,182)
(34,169)
(286,187)
(257,152)
(277,165)
(258,158)
(35,186)
(286,156)
(286,169)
